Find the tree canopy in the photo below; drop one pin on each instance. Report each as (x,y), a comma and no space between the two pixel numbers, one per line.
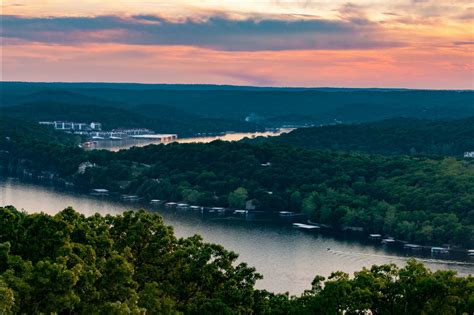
(416,199)
(133,264)
(396,136)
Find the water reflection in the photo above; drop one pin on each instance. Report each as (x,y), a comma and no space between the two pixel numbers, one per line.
(288,258)
(115,145)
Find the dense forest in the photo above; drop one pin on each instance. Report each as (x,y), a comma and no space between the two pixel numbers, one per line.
(395,136)
(133,264)
(428,201)
(159,118)
(268,107)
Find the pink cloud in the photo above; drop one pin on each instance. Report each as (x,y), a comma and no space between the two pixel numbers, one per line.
(449,67)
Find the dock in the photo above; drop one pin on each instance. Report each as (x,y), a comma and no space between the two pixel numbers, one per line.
(130,198)
(412,246)
(307,227)
(439,250)
(99,192)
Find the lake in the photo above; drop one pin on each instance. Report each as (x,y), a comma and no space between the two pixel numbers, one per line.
(287,258)
(115,145)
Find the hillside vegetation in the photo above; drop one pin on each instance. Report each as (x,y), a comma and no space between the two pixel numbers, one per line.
(412,198)
(133,264)
(396,136)
(161,119)
(269,107)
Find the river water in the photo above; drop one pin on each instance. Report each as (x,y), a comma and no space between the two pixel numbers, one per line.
(115,145)
(287,258)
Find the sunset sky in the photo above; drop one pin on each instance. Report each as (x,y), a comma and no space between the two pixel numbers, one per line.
(376,43)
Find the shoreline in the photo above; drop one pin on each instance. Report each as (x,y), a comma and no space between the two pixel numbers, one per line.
(116,145)
(454,256)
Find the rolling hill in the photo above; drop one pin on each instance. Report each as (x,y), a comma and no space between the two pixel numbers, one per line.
(395,136)
(273,107)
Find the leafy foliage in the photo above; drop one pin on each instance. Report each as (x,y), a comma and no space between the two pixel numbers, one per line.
(397,136)
(269,106)
(155,117)
(412,198)
(133,264)
(126,263)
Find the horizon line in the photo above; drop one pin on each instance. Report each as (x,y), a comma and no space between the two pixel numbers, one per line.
(239,86)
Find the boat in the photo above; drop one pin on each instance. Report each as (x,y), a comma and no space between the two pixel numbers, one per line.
(307,227)
(97,138)
(155,202)
(170,204)
(375,236)
(115,138)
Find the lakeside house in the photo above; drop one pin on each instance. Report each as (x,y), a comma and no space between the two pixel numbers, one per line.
(81,169)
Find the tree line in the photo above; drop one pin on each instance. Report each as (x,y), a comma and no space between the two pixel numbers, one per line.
(133,264)
(395,136)
(417,199)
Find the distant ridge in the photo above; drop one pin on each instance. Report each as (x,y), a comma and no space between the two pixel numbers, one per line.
(199,86)
(237,106)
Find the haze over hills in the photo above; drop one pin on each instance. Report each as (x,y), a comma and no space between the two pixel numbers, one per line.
(267,107)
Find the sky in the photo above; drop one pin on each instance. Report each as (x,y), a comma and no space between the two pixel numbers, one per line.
(426,44)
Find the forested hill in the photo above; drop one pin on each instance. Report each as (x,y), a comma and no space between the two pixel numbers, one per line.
(133,264)
(24,133)
(269,107)
(411,198)
(159,118)
(396,136)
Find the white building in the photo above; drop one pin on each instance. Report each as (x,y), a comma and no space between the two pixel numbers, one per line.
(72,126)
(469,154)
(96,126)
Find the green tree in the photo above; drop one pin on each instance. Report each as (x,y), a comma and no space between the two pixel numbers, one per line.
(238,197)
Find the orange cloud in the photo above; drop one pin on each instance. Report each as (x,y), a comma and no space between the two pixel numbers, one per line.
(376,43)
